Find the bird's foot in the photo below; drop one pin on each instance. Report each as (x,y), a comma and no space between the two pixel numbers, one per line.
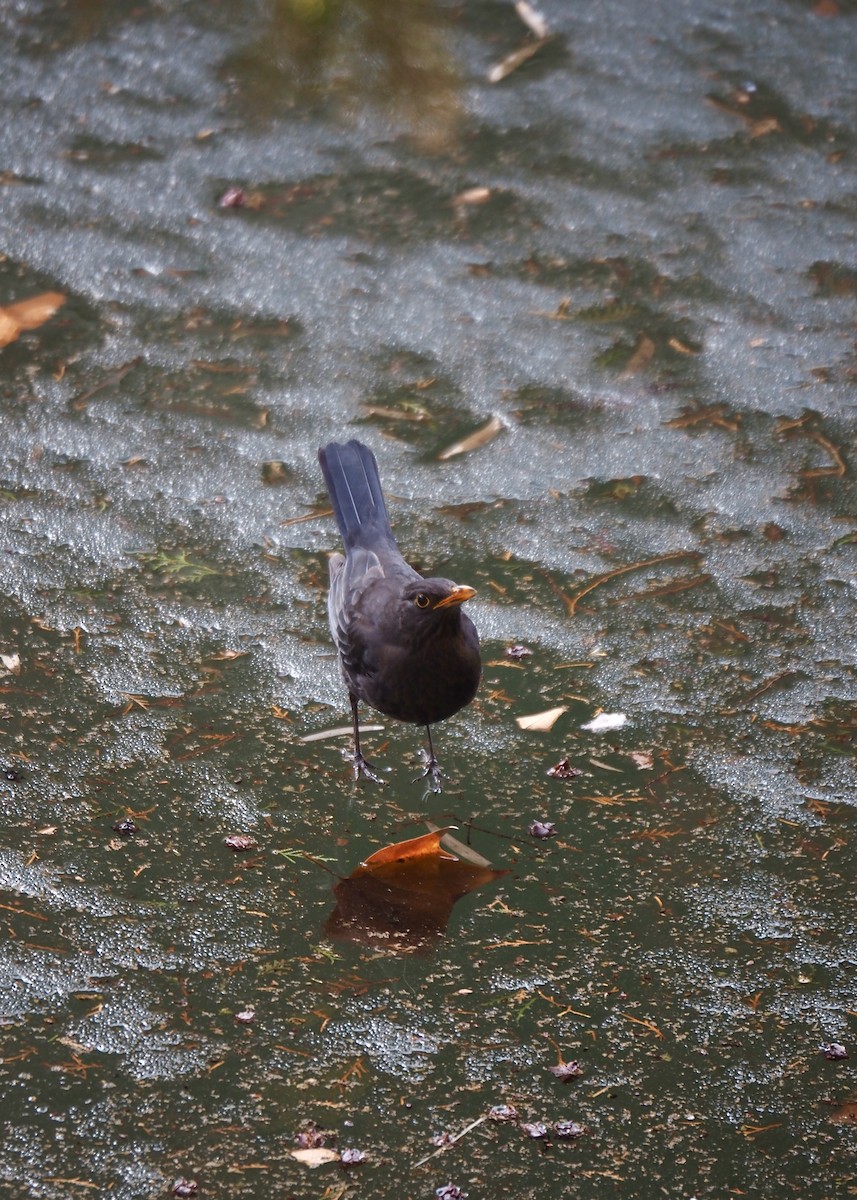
(362,766)
(431,772)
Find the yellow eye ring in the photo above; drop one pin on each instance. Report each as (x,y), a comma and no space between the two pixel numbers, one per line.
(421,600)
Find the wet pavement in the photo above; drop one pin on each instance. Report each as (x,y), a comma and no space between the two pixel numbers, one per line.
(275,224)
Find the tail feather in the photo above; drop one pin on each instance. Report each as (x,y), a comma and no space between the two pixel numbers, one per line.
(354,486)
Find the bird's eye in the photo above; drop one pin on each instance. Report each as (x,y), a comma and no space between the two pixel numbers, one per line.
(421,600)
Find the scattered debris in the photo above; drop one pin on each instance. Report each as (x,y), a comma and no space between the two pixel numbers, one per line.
(834,1051)
(240,841)
(233,197)
(644,760)
(565,1072)
(564,770)
(310,1135)
(569,1129)
(246,1016)
(503,1112)
(276,472)
(542,829)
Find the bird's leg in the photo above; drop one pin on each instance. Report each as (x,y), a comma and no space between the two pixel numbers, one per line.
(360,764)
(432,766)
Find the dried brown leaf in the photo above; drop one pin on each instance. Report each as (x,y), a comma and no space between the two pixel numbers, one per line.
(426,845)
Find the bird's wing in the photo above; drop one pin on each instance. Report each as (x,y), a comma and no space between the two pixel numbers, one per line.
(349,579)
(365,595)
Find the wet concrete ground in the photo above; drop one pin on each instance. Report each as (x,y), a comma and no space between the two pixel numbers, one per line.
(637,252)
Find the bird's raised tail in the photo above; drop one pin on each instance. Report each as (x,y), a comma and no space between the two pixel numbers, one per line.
(351,475)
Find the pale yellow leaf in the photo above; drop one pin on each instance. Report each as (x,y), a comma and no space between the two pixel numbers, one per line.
(474,195)
(532,18)
(540,722)
(340,731)
(314,1156)
(512,61)
(475,441)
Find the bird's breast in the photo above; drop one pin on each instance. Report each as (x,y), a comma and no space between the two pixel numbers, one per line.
(419,679)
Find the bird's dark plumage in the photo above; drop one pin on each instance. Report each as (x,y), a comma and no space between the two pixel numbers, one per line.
(405,646)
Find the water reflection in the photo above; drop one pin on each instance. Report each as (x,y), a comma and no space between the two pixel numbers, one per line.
(394,56)
(402,897)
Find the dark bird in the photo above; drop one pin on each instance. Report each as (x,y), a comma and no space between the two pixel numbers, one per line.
(405,646)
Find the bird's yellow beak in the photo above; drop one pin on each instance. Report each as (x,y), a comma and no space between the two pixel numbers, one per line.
(458,595)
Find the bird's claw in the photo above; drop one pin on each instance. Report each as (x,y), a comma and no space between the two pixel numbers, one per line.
(432,771)
(363,767)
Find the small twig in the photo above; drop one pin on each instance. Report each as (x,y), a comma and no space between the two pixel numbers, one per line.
(81,401)
(769,683)
(316,862)
(835,453)
(310,516)
(451,1142)
(512,61)
(716,414)
(650,1025)
(571,602)
(668,589)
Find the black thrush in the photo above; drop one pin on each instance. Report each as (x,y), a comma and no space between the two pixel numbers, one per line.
(405,647)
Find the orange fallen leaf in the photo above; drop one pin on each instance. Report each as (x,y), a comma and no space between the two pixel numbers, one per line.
(402,896)
(15,319)
(427,845)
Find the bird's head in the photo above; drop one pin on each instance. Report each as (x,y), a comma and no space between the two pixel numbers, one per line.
(434,603)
